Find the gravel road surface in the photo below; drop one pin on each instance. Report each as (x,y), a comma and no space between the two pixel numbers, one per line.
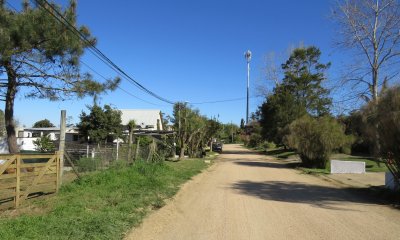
(250,196)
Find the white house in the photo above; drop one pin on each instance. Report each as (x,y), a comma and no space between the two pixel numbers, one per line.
(146,119)
(26,136)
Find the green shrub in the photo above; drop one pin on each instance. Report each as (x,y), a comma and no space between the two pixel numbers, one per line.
(255,140)
(88,164)
(315,138)
(383,120)
(345,149)
(44,144)
(268,145)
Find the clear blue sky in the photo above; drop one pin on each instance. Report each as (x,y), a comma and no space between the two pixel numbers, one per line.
(190,50)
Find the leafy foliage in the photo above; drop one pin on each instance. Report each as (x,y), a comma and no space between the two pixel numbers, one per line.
(382,121)
(315,139)
(230,133)
(356,126)
(43,124)
(44,144)
(100,123)
(300,92)
(40,54)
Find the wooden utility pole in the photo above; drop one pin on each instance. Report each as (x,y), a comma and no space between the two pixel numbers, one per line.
(61,147)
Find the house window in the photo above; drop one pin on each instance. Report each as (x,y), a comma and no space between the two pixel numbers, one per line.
(75,138)
(36,134)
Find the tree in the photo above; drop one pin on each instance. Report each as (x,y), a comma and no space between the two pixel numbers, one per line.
(2,125)
(304,75)
(277,112)
(383,119)
(194,130)
(41,55)
(371,29)
(100,123)
(45,123)
(230,133)
(301,92)
(213,129)
(242,124)
(179,118)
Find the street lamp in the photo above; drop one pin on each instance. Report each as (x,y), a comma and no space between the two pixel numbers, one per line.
(247,55)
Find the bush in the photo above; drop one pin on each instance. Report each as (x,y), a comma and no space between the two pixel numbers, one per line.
(44,144)
(255,140)
(315,139)
(384,125)
(267,145)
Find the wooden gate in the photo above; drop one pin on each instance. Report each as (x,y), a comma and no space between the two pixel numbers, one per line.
(25,175)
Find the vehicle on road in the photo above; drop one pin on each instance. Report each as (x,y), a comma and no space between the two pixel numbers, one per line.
(217,147)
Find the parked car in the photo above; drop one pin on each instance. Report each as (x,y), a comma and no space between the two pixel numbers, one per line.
(217,147)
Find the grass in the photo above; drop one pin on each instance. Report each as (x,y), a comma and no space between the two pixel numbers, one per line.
(371,165)
(103,205)
(281,153)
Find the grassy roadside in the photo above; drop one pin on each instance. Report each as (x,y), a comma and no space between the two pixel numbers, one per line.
(103,205)
(371,165)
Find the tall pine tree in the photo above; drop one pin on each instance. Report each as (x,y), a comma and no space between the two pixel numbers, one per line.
(41,55)
(301,92)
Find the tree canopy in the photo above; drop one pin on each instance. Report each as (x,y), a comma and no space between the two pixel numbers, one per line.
(301,92)
(370,29)
(40,57)
(100,123)
(43,124)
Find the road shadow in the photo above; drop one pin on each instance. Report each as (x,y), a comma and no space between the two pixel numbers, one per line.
(269,164)
(238,152)
(294,192)
(281,153)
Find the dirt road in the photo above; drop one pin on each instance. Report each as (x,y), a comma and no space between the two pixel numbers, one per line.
(250,196)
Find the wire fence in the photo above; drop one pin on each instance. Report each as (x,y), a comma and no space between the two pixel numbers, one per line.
(83,157)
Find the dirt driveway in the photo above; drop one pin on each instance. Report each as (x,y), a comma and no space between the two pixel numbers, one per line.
(250,196)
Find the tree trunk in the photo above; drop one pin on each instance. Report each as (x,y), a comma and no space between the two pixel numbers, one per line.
(374,84)
(182,152)
(9,108)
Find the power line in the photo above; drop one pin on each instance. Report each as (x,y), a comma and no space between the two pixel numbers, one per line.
(127,92)
(221,101)
(99,54)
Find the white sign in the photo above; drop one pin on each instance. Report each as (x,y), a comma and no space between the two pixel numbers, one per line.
(347,167)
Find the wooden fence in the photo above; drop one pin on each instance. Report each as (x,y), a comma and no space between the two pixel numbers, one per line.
(25,175)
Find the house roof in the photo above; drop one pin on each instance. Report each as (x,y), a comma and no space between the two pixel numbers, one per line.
(142,117)
(52,129)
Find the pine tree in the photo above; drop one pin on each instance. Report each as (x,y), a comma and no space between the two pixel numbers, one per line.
(41,55)
(301,92)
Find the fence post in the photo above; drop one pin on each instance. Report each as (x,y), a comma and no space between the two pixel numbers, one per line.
(58,176)
(18,185)
(116,158)
(62,143)
(137,148)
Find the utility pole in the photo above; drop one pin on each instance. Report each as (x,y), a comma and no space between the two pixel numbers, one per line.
(247,55)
